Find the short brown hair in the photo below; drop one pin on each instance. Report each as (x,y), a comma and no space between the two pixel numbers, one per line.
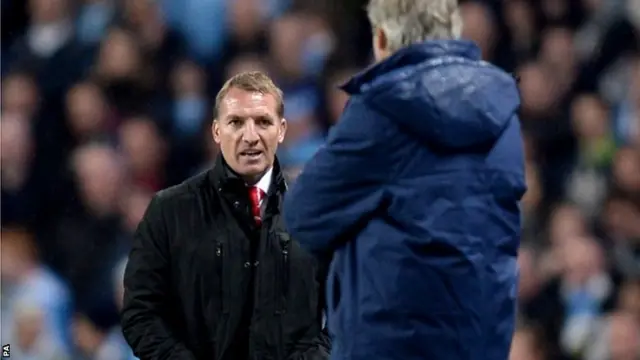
(251,81)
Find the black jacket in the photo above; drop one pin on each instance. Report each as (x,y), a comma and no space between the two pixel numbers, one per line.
(203,282)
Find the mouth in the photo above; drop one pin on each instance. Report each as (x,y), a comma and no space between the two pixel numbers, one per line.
(251,154)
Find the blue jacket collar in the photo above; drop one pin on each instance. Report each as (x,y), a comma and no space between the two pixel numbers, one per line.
(412,55)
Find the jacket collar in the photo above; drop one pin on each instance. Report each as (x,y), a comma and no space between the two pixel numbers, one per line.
(412,55)
(225,179)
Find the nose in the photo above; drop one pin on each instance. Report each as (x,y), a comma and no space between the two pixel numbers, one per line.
(250,133)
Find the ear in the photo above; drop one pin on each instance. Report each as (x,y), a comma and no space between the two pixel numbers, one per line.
(215,131)
(381,40)
(282,130)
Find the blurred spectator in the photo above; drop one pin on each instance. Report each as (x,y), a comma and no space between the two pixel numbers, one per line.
(86,239)
(36,304)
(587,289)
(337,99)
(479,27)
(94,17)
(160,46)
(201,22)
(532,201)
(187,118)
(120,71)
(17,149)
(87,112)
(530,280)
(245,62)
(133,204)
(587,185)
(294,68)
(30,337)
(619,339)
(536,91)
(48,47)
(114,346)
(626,172)
(627,122)
(246,26)
(527,345)
(20,95)
(520,20)
(621,226)
(51,27)
(629,299)
(190,105)
(145,152)
(557,53)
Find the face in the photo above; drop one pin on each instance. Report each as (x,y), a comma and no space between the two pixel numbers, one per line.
(188,79)
(519,16)
(557,49)
(142,144)
(118,56)
(623,337)
(535,88)
(246,18)
(86,336)
(582,260)
(478,27)
(16,141)
(248,131)
(45,11)
(99,176)
(19,94)
(523,346)
(590,118)
(86,109)
(287,37)
(566,222)
(29,326)
(626,170)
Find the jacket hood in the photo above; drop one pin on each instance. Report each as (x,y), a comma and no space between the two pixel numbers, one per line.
(441,92)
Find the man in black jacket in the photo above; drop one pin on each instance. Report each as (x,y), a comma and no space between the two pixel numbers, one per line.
(212,273)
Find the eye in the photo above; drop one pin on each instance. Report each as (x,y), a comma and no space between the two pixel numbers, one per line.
(263,121)
(234,121)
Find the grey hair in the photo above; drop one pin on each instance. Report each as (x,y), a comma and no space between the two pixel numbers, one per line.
(407,22)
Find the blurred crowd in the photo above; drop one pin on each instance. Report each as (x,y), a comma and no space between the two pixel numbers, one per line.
(105,102)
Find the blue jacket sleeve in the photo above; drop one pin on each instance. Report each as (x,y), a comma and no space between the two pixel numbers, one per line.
(344,182)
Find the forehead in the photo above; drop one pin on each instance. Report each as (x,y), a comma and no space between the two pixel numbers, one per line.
(243,103)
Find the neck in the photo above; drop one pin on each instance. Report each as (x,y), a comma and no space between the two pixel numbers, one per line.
(253,180)
(248,179)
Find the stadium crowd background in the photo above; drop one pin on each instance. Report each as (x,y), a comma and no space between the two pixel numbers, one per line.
(106,101)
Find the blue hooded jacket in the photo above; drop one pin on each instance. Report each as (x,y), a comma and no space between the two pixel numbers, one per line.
(416,195)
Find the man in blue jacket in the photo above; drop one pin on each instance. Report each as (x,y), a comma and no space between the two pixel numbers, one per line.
(415,195)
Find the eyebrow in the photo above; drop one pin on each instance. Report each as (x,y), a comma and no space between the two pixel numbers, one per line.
(266,116)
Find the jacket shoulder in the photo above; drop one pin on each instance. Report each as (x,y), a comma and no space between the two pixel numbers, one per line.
(189,188)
